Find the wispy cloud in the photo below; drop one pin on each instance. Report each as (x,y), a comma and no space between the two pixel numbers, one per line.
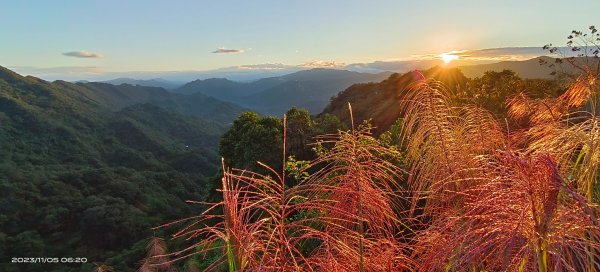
(323,64)
(392,65)
(228,51)
(83,54)
(491,54)
(463,57)
(261,70)
(63,73)
(265,66)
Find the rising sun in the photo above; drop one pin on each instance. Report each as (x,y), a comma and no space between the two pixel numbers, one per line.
(448,57)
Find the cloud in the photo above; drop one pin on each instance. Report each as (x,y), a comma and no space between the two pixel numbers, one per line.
(501,54)
(392,65)
(491,54)
(83,54)
(62,73)
(322,64)
(228,51)
(265,66)
(465,57)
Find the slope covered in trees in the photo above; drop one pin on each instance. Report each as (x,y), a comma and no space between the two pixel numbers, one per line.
(81,176)
(116,97)
(380,102)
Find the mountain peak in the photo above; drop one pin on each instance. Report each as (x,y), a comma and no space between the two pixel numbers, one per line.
(9,75)
(155,82)
(319,74)
(216,79)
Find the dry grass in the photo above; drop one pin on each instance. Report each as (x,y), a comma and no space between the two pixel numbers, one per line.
(479,197)
(499,205)
(520,217)
(342,217)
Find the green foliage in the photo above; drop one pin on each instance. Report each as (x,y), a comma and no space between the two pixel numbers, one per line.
(79,180)
(301,128)
(297,169)
(329,124)
(254,138)
(117,97)
(492,90)
(393,137)
(380,101)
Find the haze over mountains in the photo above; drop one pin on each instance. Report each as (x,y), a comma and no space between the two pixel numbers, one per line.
(117,97)
(310,89)
(155,82)
(107,162)
(251,72)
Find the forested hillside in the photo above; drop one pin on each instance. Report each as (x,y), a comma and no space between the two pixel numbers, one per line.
(380,102)
(85,173)
(116,97)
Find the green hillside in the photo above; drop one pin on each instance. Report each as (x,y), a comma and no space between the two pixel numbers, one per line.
(79,179)
(380,102)
(116,97)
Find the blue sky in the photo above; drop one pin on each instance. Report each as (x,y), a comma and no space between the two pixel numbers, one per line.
(180,35)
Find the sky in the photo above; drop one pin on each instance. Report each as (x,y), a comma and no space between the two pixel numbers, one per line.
(96,37)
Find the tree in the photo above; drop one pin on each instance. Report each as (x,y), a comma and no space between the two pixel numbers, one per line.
(252,138)
(301,129)
(582,54)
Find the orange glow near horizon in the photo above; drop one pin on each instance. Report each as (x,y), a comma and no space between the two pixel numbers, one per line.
(448,57)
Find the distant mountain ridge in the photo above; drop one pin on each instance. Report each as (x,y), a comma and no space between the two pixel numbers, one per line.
(310,89)
(117,97)
(380,101)
(155,82)
(530,69)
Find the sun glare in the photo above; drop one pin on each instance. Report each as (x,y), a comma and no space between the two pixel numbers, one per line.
(448,57)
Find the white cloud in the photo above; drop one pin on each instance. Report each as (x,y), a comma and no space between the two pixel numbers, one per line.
(83,54)
(228,51)
(464,57)
(322,64)
(265,66)
(491,54)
